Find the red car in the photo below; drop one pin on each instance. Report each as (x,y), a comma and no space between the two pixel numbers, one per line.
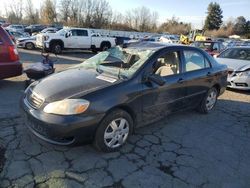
(211,47)
(10,65)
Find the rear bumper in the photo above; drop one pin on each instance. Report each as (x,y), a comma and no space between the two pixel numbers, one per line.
(60,130)
(8,70)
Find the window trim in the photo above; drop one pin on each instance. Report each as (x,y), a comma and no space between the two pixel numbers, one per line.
(184,61)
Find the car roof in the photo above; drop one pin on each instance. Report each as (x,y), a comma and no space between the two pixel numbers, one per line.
(240,47)
(208,41)
(150,45)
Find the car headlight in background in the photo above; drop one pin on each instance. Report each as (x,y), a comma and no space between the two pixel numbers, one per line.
(67,107)
(245,73)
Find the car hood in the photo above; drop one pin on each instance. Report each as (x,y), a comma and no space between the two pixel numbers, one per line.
(71,83)
(26,38)
(235,64)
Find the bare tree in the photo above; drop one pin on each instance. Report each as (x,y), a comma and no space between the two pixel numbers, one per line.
(32,14)
(48,12)
(14,11)
(141,19)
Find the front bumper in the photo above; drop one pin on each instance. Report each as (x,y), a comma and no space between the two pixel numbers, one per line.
(43,45)
(239,82)
(20,44)
(57,129)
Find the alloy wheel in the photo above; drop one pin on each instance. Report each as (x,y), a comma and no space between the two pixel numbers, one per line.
(211,99)
(116,133)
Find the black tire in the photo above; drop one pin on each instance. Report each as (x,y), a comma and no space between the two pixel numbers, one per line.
(204,106)
(57,48)
(105,46)
(29,46)
(101,143)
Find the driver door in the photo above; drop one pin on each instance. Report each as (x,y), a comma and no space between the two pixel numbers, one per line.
(158,101)
(71,39)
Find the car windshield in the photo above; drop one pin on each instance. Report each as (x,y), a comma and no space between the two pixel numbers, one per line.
(118,62)
(62,32)
(236,53)
(204,45)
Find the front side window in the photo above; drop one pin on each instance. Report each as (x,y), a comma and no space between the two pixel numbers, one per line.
(167,64)
(194,61)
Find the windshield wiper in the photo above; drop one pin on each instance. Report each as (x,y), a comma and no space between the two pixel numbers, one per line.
(121,76)
(99,70)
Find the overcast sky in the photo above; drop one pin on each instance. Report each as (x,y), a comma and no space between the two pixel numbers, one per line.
(193,11)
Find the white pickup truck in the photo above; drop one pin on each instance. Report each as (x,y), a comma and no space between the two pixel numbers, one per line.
(73,38)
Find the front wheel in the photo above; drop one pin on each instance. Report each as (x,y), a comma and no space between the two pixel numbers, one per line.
(209,101)
(57,48)
(29,46)
(113,131)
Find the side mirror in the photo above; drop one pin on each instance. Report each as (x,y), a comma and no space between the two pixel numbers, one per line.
(156,79)
(67,35)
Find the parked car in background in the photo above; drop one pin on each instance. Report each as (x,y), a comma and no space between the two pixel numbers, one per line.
(16,28)
(10,65)
(17,34)
(170,38)
(238,61)
(211,47)
(104,101)
(49,30)
(26,42)
(34,28)
(73,38)
(11,36)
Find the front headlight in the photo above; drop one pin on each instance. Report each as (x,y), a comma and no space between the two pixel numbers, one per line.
(67,107)
(245,73)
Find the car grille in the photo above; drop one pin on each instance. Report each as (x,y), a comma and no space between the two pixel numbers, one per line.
(34,100)
(241,84)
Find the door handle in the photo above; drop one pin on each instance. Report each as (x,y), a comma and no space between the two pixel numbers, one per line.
(181,80)
(209,74)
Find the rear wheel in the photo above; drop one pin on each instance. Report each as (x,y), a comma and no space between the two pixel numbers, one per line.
(113,131)
(105,46)
(29,46)
(209,101)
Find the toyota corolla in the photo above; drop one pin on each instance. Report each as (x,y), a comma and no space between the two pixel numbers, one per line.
(105,98)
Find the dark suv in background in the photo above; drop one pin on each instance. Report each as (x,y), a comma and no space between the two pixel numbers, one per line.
(10,65)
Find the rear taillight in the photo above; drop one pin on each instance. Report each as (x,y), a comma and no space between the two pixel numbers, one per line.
(13,54)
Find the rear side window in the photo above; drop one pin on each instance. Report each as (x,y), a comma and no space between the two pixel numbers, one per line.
(82,33)
(195,60)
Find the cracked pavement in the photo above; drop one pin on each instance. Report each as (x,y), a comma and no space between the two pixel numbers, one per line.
(183,150)
(186,149)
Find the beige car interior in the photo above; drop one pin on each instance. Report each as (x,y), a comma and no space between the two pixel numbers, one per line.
(168,64)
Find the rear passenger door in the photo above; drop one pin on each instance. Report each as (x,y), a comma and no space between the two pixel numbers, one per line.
(198,76)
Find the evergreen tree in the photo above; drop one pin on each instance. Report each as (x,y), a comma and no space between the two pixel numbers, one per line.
(240,27)
(214,17)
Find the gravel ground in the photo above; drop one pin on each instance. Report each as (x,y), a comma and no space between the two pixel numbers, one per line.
(183,150)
